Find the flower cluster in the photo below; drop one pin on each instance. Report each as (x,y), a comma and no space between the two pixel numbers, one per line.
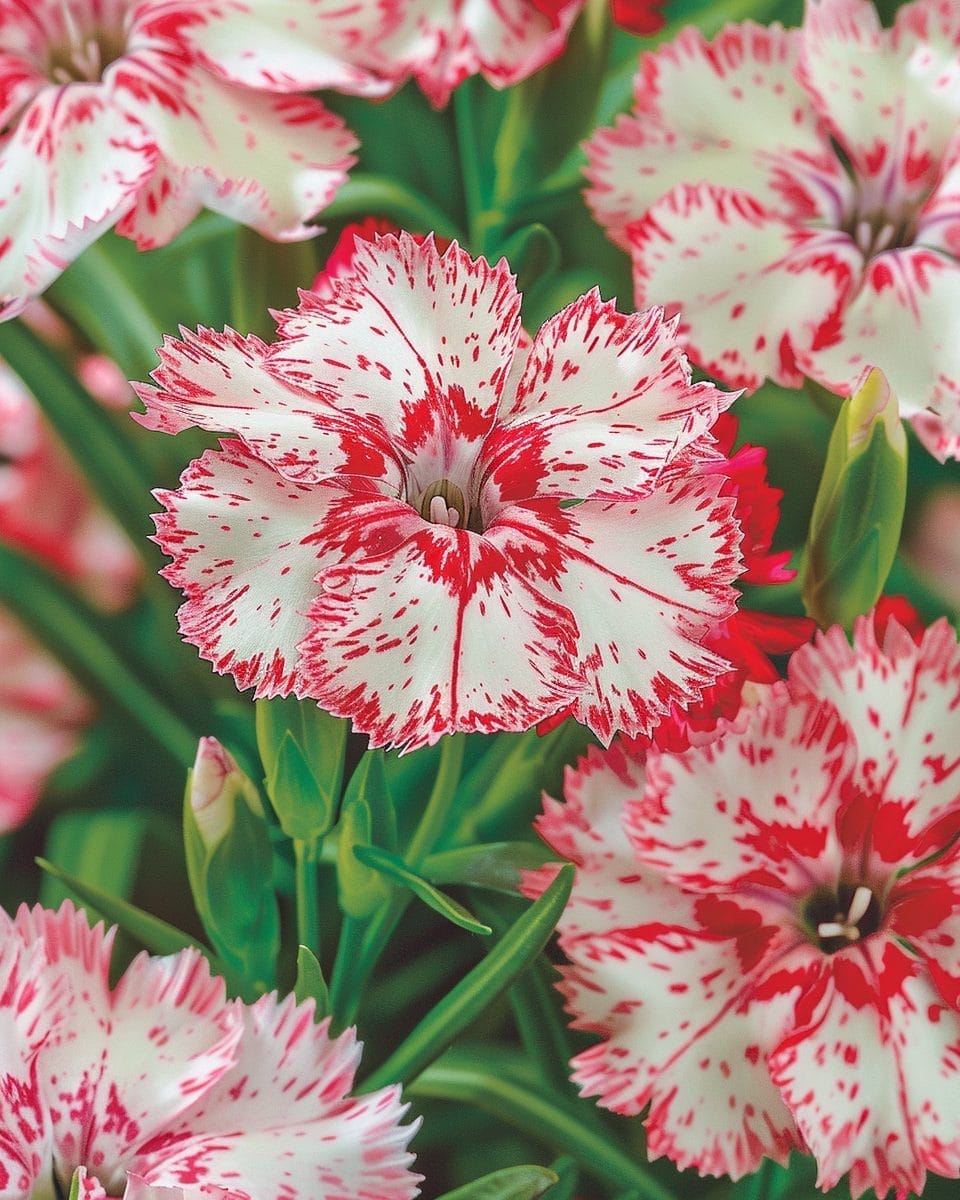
(820,240)
(391,531)
(763,928)
(160,1087)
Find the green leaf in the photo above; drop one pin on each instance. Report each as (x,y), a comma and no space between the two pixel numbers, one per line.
(366,194)
(394,868)
(480,987)
(566,1186)
(366,818)
(511,1183)
(533,254)
(158,936)
(494,1082)
(498,866)
(310,984)
(80,638)
(104,846)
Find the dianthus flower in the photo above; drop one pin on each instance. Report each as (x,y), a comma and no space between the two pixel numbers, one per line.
(635,16)
(160,1087)
(128,113)
(763,928)
(428,523)
(47,512)
(822,239)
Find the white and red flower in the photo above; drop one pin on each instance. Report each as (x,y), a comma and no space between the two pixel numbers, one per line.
(158,1087)
(821,239)
(129,113)
(763,929)
(429,524)
(46,511)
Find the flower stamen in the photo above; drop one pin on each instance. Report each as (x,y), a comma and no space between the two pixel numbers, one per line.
(443,503)
(848,926)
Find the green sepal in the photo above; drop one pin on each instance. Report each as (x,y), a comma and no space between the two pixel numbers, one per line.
(858,512)
(512,954)
(74,1193)
(395,869)
(303,750)
(310,984)
(510,1183)
(366,818)
(158,936)
(498,866)
(233,890)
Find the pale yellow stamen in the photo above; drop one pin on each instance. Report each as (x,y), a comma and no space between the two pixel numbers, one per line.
(848,926)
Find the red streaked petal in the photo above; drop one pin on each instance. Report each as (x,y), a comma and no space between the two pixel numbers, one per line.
(222,382)
(423,630)
(754,291)
(245,554)
(319,1141)
(421,341)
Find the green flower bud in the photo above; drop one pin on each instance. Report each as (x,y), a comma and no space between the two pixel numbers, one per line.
(858,513)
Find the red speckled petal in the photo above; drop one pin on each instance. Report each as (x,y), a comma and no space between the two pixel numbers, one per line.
(901,321)
(208,132)
(605,403)
(424,630)
(874,1081)
(222,382)
(695,119)
(288,45)
(645,580)
(68,171)
(901,702)
(320,1142)
(245,553)
(420,341)
(753,290)
(891,98)
(757,808)
(440,44)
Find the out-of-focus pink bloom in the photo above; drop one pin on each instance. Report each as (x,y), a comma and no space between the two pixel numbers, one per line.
(763,928)
(127,113)
(822,239)
(159,1087)
(390,530)
(932,544)
(46,511)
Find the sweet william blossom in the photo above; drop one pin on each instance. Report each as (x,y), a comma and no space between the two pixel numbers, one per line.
(158,1088)
(428,524)
(822,239)
(126,113)
(763,929)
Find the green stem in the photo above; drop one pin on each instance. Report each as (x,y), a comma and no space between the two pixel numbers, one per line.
(480,218)
(364,194)
(442,795)
(306,858)
(538,1114)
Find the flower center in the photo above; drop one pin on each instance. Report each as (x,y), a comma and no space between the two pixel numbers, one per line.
(443,503)
(84,54)
(878,231)
(836,919)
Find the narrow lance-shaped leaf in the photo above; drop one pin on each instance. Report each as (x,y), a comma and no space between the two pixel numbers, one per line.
(394,868)
(366,818)
(80,638)
(480,987)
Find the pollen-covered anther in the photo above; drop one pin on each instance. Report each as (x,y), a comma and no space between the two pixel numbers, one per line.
(848,926)
(442,503)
